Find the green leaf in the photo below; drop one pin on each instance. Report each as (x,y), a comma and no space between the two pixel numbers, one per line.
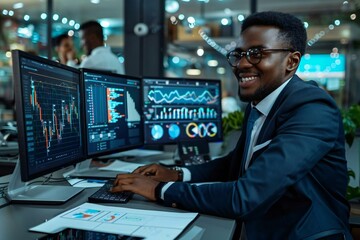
(233,121)
(351,122)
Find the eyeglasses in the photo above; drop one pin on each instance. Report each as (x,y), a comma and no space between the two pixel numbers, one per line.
(253,55)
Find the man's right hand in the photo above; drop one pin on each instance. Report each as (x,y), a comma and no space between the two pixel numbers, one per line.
(158,173)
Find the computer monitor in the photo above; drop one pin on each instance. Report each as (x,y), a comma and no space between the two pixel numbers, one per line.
(179,110)
(113,115)
(48,121)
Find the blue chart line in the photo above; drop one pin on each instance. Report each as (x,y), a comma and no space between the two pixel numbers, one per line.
(182,97)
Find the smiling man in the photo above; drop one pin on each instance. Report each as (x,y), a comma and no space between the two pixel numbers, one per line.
(287,177)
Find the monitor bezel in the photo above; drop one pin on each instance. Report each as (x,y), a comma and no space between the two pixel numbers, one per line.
(217,139)
(82,90)
(20,116)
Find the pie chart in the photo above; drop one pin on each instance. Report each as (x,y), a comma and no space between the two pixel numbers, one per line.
(174,131)
(157,131)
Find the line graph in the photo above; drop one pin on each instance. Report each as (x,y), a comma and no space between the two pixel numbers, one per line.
(54,112)
(182,96)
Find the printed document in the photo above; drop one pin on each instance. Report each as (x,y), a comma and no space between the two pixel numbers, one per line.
(134,222)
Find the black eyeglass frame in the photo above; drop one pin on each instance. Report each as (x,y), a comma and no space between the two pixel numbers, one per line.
(251,53)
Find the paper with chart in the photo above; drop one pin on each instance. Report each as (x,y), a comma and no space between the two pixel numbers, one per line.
(127,221)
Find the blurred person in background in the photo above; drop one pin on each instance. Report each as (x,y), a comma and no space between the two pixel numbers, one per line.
(64,47)
(97,55)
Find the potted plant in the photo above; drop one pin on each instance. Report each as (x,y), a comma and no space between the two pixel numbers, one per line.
(232,121)
(231,126)
(351,122)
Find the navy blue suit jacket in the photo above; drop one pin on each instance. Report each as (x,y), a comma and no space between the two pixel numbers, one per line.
(295,185)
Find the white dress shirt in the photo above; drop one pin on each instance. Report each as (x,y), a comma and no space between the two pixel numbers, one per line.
(101,58)
(264,107)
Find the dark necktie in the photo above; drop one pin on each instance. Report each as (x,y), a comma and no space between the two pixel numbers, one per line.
(253,116)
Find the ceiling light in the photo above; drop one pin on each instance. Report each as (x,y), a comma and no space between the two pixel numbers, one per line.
(212,63)
(56,17)
(5,12)
(176,60)
(241,17)
(227,11)
(43,16)
(220,70)
(64,20)
(306,24)
(191,20)
(224,21)
(181,16)
(26,17)
(71,22)
(11,13)
(95,1)
(193,72)
(171,6)
(200,52)
(104,23)
(77,26)
(18,5)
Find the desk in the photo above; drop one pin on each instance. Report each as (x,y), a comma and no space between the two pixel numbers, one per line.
(16,219)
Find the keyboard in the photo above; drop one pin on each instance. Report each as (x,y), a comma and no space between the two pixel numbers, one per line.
(104,196)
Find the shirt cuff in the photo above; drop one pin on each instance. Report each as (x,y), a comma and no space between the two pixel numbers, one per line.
(186,175)
(164,188)
(71,63)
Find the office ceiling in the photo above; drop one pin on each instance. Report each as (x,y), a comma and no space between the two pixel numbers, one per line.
(82,10)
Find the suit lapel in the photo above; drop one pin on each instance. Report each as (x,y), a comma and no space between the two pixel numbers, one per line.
(266,132)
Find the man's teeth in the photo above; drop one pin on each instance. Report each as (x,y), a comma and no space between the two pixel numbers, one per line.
(246,79)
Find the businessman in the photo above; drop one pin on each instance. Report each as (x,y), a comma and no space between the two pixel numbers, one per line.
(287,176)
(98,56)
(64,47)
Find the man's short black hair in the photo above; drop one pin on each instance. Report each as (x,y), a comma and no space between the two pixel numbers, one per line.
(93,27)
(292,29)
(57,41)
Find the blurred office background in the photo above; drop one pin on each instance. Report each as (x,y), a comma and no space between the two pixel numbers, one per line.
(184,38)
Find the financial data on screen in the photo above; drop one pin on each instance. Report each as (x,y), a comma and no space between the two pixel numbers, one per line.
(181,109)
(49,117)
(112,112)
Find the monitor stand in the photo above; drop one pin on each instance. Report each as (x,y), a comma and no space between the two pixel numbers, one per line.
(85,171)
(23,192)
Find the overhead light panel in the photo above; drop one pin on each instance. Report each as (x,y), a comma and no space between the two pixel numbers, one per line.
(171,6)
(18,5)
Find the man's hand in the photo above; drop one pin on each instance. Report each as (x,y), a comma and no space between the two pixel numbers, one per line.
(158,173)
(135,183)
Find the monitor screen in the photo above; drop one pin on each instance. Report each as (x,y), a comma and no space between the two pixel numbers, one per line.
(112,112)
(48,116)
(181,110)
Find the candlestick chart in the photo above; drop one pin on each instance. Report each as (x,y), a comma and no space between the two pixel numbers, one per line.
(52,113)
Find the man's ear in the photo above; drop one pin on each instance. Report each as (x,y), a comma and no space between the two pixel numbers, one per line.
(293,61)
